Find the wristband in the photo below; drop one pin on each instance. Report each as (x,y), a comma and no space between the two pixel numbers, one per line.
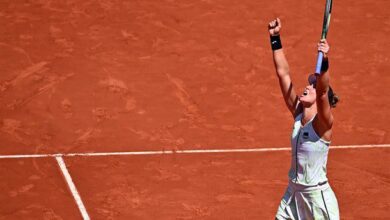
(325,65)
(276,43)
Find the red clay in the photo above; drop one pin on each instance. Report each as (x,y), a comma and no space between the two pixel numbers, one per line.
(207,186)
(361,181)
(119,75)
(223,186)
(34,189)
(81,76)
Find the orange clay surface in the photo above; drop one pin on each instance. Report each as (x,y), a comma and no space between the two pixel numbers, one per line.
(104,76)
(34,189)
(226,186)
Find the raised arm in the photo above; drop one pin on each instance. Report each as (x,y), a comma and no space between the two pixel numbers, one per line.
(322,87)
(281,66)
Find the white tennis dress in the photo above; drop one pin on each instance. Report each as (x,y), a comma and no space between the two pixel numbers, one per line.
(308,195)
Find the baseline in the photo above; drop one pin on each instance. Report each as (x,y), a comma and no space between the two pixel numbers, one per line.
(242,150)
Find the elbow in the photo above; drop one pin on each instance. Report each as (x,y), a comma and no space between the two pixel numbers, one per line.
(282,71)
(322,93)
(322,88)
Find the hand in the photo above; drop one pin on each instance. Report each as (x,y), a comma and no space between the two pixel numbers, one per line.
(274,27)
(323,47)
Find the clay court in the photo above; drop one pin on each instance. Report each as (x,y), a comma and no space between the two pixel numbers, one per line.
(172,109)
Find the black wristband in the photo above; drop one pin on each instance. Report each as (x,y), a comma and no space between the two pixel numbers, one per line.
(325,65)
(276,43)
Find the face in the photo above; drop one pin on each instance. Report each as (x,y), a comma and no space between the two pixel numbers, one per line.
(308,96)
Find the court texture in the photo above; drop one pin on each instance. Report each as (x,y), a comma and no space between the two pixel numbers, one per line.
(171,109)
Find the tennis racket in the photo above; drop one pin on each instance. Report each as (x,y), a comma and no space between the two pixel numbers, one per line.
(325,28)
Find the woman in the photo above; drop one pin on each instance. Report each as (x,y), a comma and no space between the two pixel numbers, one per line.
(308,195)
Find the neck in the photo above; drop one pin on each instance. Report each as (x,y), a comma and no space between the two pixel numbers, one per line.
(309,112)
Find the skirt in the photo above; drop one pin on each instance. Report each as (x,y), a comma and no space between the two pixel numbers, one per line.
(308,203)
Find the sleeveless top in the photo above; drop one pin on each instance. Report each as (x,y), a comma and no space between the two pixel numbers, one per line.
(309,155)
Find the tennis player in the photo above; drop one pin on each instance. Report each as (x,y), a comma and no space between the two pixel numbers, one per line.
(308,195)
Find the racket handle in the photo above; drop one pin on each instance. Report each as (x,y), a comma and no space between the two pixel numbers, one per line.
(319,63)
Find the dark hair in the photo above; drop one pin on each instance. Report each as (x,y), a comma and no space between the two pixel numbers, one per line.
(333,98)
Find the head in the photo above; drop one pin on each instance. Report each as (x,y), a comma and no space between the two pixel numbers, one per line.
(309,95)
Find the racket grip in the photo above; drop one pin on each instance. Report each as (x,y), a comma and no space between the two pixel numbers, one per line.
(319,63)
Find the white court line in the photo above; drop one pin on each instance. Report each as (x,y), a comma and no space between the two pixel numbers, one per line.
(243,150)
(72,187)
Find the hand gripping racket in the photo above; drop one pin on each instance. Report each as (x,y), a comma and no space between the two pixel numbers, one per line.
(325,28)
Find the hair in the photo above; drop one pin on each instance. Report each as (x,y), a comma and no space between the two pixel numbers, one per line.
(333,98)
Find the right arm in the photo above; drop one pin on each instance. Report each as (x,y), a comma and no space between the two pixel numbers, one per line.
(282,70)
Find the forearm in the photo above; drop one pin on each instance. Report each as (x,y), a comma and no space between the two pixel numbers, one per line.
(323,78)
(280,61)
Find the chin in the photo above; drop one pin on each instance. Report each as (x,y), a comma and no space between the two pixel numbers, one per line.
(302,99)
(306,103)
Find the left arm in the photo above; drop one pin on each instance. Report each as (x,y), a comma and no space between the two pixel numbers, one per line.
(322,86)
